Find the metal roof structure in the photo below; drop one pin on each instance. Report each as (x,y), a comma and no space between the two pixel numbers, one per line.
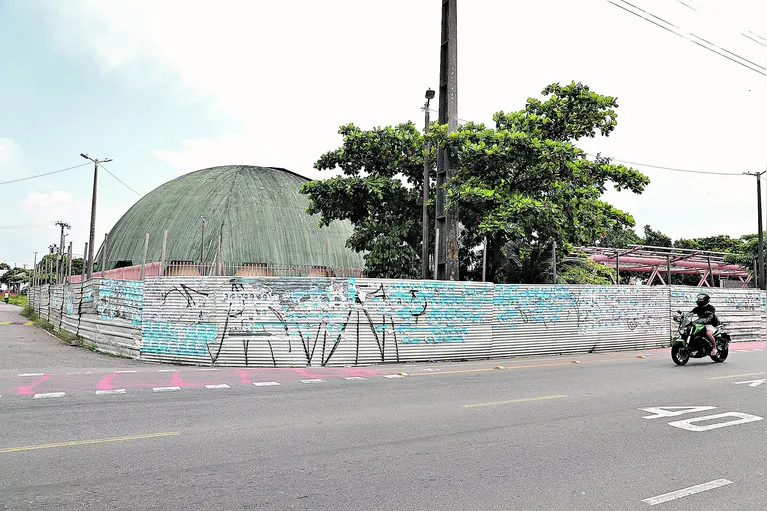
(256,213)
(660,261)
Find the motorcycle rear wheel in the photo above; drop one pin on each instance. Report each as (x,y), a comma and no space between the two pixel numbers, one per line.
(680,354)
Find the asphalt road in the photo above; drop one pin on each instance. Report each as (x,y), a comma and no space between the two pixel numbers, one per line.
(541,434)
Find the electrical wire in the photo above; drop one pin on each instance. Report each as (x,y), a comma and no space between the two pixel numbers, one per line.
(661,167)
(27,226)
(761,69)
(42,175)
(120,180)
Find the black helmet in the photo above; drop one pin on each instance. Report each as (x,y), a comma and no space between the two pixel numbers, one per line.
(702,299)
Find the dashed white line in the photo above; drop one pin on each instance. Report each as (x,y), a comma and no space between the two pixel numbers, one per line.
(167,370)
(32,374)
(313,380)
(393,376)
(208,369)
(80,372)
(354,378)
(128,371)
(686,492)
(112,391)
(265,383)
(49,394)
(220,386)
(165,389)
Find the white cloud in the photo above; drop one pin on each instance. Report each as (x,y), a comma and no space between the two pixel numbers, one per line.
(10,158)
(289,73)
(203,153)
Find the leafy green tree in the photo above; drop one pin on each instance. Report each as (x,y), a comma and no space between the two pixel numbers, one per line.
(15,278)
(655,238)
(523,185)
(4,266)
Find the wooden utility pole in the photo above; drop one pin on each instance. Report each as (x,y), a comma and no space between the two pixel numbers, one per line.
(447,219)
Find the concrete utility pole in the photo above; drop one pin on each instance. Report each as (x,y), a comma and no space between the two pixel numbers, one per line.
(759,270)
(426,166)
(91,238)
(60,258)
(447,220)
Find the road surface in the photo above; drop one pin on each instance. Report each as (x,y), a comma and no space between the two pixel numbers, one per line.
(89,432)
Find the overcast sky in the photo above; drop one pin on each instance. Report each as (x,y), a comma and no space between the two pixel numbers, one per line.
(166,87)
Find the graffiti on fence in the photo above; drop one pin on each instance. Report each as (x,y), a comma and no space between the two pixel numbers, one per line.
(311,319)
(120,299)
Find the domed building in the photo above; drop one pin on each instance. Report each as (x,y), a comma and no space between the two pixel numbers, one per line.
(249,220)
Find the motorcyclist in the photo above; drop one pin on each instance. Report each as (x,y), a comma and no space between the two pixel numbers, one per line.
(707,315)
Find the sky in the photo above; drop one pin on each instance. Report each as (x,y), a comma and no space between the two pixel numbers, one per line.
(167,87)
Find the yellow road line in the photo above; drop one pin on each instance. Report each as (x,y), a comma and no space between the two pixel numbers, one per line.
(734,376)
(5,322)
(29,323)
(551,364)
(88,442)
(511,401)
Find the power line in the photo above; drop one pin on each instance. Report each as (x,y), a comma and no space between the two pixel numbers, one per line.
(42,175)
(25,226)
(761,69)
(661,167)
(118,179)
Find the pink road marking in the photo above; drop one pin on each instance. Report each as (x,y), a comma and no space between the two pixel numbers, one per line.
(177,381)
(243,376)
(105,383)
(26,390)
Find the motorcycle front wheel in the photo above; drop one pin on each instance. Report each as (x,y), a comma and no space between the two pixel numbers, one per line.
(680,354)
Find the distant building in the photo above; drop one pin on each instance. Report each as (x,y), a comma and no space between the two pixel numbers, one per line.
(256,214)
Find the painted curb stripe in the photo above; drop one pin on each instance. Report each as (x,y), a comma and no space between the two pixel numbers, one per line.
(165,389)
(49,394)
(221,386)
(265,383)
(686,492)
(112,391)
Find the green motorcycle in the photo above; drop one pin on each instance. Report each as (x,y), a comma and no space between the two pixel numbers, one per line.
(693,343)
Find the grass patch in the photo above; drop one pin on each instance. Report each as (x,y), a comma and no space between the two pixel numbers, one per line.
(19,300)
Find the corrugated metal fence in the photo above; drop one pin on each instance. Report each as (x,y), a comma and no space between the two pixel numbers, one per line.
(293,321)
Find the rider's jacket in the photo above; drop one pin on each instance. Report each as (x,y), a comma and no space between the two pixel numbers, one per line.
(707,314)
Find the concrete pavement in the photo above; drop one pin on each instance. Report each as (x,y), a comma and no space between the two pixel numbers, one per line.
(544,433)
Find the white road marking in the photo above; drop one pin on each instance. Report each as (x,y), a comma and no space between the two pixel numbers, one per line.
(354,378)
(80,372)
(167,370)
(686,492)
(208,369)
(673,411)
(165,389)
(752,383)
(221,386)
(49,394)
(393,376)
(32,374)
(129,371)
(265,383)
(112,391)
(740,418)
(314,380)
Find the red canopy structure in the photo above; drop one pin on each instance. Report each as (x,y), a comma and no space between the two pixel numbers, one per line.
(658,261)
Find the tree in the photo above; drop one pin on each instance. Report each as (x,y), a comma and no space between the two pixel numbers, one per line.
(15,278)
(655,238)
(520,184)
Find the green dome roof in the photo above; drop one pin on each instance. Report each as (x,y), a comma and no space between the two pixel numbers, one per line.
(258,211)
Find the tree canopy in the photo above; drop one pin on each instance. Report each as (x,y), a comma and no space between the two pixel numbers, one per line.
(521,184)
